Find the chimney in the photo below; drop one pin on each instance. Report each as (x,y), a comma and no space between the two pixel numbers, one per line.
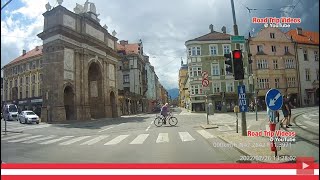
(24,52)
(224,29)
(299,30)
(211,28)
(123,42)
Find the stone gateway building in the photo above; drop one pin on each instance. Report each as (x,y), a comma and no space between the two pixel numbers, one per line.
(79,63)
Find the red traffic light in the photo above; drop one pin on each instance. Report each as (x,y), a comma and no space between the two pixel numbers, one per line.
(236,54)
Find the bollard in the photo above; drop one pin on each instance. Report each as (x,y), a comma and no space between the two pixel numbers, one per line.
(273,128)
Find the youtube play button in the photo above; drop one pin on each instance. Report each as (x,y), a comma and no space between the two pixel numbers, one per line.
(305,165)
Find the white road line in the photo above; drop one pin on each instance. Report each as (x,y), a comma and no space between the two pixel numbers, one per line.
(26,138)
(205,134)
(94,140)
(148,127)
(311,123)
(306,117)
(105,129)
(185,136)
(31,127)
(304,127)
(151,122)
(228,127)
(140,139)
(120,124)
(39,139)
(116,140)
(56,140)
(15,136)
(74,140)
(289,129)
(299,124)
(162,137)
(248,126)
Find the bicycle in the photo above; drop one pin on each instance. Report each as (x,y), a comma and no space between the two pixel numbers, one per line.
(159,120)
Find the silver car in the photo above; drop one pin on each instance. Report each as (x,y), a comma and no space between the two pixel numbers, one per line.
(28,117)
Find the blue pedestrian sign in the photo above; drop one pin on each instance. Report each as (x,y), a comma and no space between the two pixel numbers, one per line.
(242,98)
(274,99)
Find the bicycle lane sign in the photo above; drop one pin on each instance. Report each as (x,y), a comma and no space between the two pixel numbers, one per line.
(242,98)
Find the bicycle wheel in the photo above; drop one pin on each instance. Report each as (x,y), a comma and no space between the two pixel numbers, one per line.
(173,121)
(158,121)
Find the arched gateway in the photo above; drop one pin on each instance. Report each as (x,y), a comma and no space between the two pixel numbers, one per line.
(79,61)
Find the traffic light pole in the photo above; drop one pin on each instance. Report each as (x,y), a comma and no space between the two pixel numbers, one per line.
(235,28)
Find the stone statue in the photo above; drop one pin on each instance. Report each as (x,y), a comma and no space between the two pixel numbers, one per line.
(59,2)
(78,9)
(105,27)
(114,33)
(48,6)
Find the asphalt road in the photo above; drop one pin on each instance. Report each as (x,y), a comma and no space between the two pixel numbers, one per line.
(130,139)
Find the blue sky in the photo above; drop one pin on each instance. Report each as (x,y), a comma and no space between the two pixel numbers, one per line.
(163,26)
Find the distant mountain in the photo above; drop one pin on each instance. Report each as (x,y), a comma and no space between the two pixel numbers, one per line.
(174,93)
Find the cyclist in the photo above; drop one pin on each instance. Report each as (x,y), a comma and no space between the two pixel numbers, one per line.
(164,112)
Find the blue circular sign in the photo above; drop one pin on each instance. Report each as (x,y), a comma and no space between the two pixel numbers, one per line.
(274,99)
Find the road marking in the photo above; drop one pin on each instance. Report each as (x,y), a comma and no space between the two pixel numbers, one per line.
(185,136)
(15,136)
(162,137)
(105,129)
(26,138)
(151,122)
(289,129)
(39,139)
(205,134)
(95,140)
(120,124)
(306,117)
(140,139)
(28,127)
(311,123)
(74,140)
(116,140)
(148,127)
(228,127)
(56,140)
(248,126)
(304,127)
(299,124)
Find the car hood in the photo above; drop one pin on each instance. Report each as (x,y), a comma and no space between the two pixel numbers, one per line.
(31,116)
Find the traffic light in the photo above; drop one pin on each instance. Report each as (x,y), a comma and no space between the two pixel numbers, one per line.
(238,65)
(228,62)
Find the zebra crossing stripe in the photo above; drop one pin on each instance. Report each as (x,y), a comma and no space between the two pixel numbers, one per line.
(162,137)
(31,127)
(304,127)
(205,134)
(299,124)
(39,139)
(311,123)
(56,140)
(116,140)
(15,136)
(94,140)
(185,136)
(26,138)
(74,140)
(140,139)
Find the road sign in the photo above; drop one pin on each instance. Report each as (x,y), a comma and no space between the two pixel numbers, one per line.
(237,39)
(205,75)
(242,98)
(274,99)
(205,82)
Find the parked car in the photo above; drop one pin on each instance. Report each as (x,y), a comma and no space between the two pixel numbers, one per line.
(10,112)
(28,117)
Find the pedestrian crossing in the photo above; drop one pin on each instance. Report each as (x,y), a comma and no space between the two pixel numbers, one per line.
(108,140)
(24,127)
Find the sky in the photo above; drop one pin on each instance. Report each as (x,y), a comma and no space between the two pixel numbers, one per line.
(163,26)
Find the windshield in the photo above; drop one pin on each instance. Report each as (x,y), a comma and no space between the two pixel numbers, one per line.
(30,113)
(13,108)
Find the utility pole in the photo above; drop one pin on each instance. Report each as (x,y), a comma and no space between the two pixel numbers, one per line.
(235,28)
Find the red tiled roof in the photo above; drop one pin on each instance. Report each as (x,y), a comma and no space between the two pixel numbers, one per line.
(305,37)
(212,36)
(129,48)
(28,55)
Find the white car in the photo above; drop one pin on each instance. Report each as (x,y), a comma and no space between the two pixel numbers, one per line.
(28,117)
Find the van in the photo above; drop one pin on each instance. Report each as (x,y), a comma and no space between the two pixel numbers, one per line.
(10,112)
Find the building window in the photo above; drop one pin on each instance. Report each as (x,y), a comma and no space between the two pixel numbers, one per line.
(27,91)
(16,83)
(273,48)
(277,83)
(272,35)
(213,50)
(291,81)
(289,64)
(262,64)
(196,89)
(27,79)
(242,48)
(10,84)
(305,55)
(189,51)
(316,57)
(226,49)
(33,78)
(286,49)
(259,48)
(20,94)
(307,74)
(33,91)
(21,81)
(215,70)
(275,64)
(40,90)
(126,78)
(229,86)
(196,51)
(216,87)
(195,71)
(40,77)
(263,83)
